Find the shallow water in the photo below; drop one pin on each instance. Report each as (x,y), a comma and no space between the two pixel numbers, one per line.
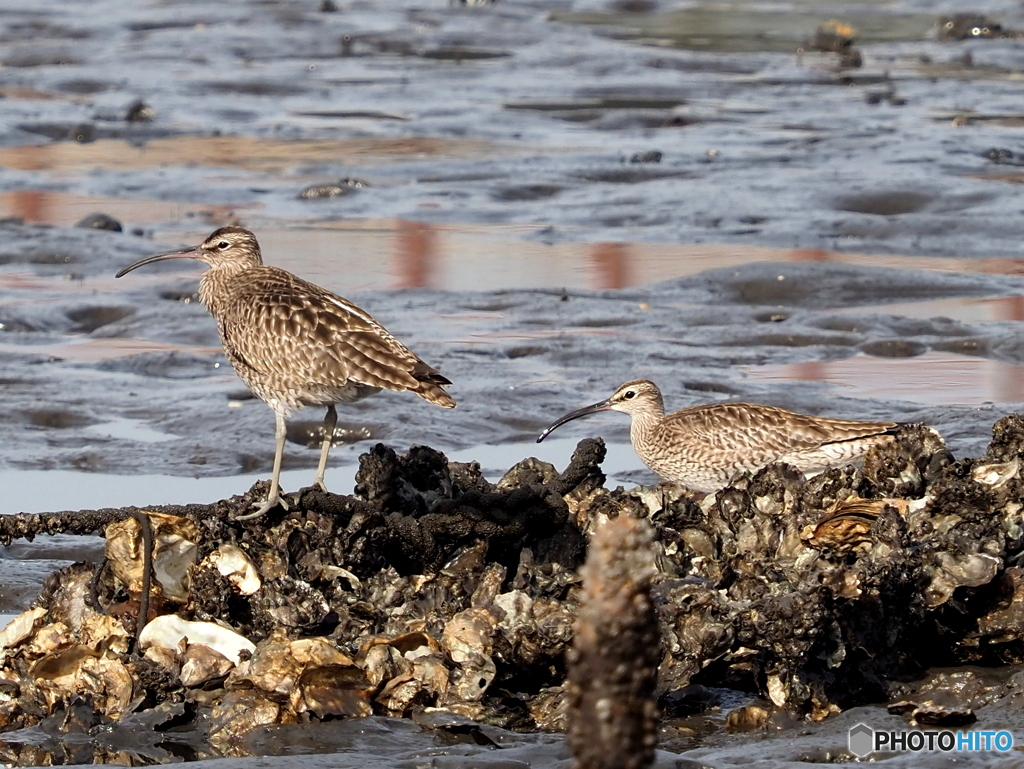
(932,378)
(103,375)
(837,241)
(37,491)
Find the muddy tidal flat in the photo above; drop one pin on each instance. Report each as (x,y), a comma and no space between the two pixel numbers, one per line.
(806,205)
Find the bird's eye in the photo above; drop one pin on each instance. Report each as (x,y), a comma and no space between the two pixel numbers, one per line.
(223,244)
(629,394)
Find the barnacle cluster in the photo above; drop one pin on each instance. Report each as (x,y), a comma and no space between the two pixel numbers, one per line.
(432,589)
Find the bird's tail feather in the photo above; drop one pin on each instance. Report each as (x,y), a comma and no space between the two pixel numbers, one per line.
(435,394)
(431,381)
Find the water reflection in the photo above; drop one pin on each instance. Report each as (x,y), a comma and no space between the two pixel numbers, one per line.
(240,152)
(356,255)
(415,254)
(393,254)
(29,205)
(64,209)
(738,27)
(611,264)
(36,491)
(934,378)
(380,254)
(94,349)
(1009,307)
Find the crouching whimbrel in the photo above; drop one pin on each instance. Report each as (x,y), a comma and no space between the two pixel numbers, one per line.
(295,344)
(703,447)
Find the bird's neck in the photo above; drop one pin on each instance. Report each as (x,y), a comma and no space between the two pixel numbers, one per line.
(216,282)
(646,422)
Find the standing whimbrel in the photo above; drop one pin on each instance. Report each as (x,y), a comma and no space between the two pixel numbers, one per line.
(295,344)
(703,447)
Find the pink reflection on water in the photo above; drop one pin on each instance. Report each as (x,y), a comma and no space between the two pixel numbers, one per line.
(376,254)
(611,265)
(416,247)
(934,378)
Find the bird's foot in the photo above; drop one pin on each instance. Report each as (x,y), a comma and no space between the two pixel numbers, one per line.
(319,484)
(264,507)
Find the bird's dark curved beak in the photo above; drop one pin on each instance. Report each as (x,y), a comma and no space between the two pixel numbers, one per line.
(192,252)
(591,409)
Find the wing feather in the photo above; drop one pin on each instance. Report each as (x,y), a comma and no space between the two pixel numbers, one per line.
(763,433)
(284,326)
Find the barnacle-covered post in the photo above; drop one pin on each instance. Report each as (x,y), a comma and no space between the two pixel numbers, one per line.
(613,663)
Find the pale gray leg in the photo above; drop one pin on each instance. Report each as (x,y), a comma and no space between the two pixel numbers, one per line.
(330,422)
(274,497)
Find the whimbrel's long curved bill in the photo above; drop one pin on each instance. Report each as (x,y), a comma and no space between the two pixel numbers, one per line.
(591,409)
(192,252)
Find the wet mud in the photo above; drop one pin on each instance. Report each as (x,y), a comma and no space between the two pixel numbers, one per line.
(765,134)
(133,378)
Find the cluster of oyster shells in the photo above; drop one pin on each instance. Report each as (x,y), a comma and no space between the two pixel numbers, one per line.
(432,590)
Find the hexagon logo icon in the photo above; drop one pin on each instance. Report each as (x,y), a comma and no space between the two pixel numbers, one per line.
(862,740)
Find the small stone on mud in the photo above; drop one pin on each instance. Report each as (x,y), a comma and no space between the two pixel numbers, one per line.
(652,156)
(345,186)
(99,222)
(970,26)
(139,112)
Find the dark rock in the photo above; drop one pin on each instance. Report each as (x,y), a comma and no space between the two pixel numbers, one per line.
(970,26)
(338,189)
(652,156)
(139,112)
(99,222)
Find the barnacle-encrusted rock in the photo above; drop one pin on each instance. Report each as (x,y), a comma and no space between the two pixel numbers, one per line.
(174,551)
(20,628)
(433,589)
(305,674)
(614,657)
(201,663)
(171,632)
(233,563)
(467,639)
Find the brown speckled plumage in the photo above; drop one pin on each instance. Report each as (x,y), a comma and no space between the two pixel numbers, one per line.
(703,447)
(295,344)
